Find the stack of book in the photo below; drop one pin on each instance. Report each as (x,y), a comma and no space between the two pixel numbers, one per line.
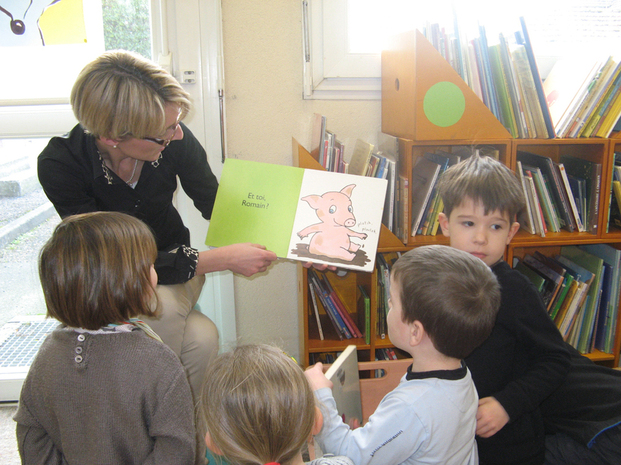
(584,96)
(325,300)
(562,195)
(580,288)
(504,74)
(383,264)
(614,213)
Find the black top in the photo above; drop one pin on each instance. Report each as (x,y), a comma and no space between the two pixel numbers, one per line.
(587,403)
(76,180)
(520,364)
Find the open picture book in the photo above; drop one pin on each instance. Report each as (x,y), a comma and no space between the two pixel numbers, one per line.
(299,214)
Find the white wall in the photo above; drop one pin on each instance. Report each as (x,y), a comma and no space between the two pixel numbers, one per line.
(264,110)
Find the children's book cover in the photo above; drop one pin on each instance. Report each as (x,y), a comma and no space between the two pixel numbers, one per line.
(299,214)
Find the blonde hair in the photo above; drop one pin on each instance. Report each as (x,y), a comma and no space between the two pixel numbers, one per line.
(121,94)
(257,405)
(96,269)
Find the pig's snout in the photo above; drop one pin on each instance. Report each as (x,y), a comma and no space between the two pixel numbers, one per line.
(350,222)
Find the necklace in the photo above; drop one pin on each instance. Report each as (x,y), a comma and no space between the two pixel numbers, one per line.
(129,181)
(107,174)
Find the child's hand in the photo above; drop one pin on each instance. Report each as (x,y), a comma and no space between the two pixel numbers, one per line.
(491,417)
(316,378)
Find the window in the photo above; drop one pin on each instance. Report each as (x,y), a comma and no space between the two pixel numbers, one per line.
(343,38)
(48,47)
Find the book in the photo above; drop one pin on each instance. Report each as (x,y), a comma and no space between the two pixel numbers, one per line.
(341,309)
(570,196)
(553,280)
(308,215)
(513,87)
(424,175)
(360,157)
(576,309)
(544,196)
(556,187)
(505,105)
(313,294)
(525,40)
(346,385)
(540,223)
(532,275)
(364,313)
(609,70)
(566,280)
(591,173)
(318,136)
(533,112)
(528,222)
(427,218)
(578,189)
(595,265)
(612,257)
(566,86)
(404,197)
(337,322)
(392,172)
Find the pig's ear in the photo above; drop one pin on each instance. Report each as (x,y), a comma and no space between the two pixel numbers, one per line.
(313,201)
(348,189)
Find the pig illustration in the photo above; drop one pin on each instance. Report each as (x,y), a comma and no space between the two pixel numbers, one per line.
(331,236)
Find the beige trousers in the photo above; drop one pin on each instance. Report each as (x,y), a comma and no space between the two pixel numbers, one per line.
(188,332)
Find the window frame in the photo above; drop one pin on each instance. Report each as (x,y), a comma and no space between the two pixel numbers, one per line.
(323,67)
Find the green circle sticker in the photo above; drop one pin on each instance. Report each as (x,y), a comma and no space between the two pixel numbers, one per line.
(444,104)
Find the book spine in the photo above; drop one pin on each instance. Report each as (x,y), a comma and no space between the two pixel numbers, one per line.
(311,290)
(537,78)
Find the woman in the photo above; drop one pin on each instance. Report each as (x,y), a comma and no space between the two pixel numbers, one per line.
(126,154)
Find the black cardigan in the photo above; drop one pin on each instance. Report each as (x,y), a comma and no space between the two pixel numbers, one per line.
(73,178)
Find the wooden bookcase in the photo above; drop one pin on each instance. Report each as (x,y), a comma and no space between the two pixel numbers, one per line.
(346,287)
(410,68)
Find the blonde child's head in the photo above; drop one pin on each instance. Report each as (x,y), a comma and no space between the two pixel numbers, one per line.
(96,269)
(257,406)
(485,181)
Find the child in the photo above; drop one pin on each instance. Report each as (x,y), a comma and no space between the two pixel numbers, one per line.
(525,360)
(443,303)
(102,387)
(258,408)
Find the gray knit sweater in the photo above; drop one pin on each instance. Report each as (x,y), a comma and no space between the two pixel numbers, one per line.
(116,398)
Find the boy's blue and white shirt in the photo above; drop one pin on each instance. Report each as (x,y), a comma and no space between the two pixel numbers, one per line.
(330,459)
(428,418)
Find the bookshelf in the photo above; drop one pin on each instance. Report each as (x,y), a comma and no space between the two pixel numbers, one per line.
(410,68)
(346,288)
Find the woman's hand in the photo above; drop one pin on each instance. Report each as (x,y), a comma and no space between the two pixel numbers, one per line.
(491,417)
(246,259)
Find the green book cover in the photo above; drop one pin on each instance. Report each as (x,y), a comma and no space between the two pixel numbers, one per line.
(299,214)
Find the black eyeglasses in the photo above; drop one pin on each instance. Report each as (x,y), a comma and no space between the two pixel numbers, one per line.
(164,142)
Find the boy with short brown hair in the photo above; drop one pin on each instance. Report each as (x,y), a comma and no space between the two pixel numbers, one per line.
(443,303)
(521,370)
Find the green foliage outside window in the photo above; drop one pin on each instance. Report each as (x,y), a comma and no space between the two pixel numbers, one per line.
(127,25)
